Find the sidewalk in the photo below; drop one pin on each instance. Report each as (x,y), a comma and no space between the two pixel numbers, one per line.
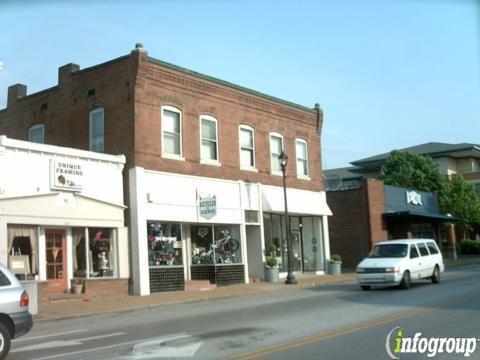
(85,307)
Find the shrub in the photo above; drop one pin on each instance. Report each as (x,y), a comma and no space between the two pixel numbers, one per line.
(469,247)
(271,250)
(336,259)
(271,262)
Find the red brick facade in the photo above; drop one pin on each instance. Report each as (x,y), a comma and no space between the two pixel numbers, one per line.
(132,89)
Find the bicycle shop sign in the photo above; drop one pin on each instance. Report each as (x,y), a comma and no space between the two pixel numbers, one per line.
(207,206)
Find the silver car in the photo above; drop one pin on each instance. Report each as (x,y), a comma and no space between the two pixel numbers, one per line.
(15,320)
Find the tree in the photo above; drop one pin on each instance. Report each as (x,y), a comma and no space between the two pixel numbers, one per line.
(413,171)
(461,200)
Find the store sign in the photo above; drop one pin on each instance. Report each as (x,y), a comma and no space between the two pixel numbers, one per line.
(413,198)
(207,206)
(67,175)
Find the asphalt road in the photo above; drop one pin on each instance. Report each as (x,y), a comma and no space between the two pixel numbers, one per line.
(328,322)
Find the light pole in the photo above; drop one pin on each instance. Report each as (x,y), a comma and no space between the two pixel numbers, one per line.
(290,276)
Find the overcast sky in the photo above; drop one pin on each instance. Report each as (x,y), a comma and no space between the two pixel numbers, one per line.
(388,73)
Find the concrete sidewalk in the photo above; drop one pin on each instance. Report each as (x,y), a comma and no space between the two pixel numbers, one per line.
(86,307)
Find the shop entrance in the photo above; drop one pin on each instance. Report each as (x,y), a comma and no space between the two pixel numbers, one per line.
(56,260)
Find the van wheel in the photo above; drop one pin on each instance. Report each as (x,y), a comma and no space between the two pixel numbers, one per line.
(365,287)
(5,340)
(406,282)
(436,275)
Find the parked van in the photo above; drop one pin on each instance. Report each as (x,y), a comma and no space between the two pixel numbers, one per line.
(399,262)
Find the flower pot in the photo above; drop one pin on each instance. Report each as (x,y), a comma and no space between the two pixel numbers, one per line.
(77,288)
(271,275)
(334,268)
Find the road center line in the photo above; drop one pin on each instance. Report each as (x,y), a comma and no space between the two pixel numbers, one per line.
(49,335)
(348,329)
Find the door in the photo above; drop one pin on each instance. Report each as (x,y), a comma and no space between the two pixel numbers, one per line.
(56,260)
(296,251)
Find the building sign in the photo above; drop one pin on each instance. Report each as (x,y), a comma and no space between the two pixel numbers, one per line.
(414,198)
(67,175)
(207,206)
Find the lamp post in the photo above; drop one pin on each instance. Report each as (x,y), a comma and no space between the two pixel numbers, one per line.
(290,276)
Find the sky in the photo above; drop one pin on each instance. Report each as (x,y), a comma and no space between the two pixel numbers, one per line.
(388,74)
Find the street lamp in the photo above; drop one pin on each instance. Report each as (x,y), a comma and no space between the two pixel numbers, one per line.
(290,276)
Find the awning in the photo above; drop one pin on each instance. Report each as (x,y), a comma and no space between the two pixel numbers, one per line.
(301,202)
(418,215)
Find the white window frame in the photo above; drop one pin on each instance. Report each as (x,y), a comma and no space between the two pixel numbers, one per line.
(248,128)
(92,112)
(302,176)
(168,155)
(36,127)
(279,136)
(209,161)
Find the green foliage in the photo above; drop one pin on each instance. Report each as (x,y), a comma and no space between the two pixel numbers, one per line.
(412,171)
(469,247)
(336,259)
(271,249)
(460,199)
(271,262)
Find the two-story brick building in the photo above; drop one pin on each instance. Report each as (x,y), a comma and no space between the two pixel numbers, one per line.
(202,165)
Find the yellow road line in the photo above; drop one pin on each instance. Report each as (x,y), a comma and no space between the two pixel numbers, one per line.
(346,330)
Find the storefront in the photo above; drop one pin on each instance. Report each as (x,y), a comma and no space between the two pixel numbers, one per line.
(62,218)
(216,230)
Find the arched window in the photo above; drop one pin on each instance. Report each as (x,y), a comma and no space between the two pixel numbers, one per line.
(36,133)
(97,130)
(171,132)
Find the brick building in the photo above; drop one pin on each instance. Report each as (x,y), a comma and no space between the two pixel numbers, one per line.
(191,141)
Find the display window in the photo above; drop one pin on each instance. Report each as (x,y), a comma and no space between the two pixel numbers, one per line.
(101,253)
(215,244)
(164,244)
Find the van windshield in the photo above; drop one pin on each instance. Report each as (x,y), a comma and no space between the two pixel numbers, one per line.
(389,251)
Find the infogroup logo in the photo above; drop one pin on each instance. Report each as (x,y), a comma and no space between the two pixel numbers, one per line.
(397,343)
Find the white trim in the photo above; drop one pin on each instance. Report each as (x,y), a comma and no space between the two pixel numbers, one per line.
(278,136)
(92,112)
(248,128)
(302,176)
(209,161)
(36,127)
(179,112)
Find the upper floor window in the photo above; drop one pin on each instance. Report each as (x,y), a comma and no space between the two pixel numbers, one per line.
(247,147)
(209,139)
(171,131)
(276,148)
(36,133)
(302,158)
(97,130)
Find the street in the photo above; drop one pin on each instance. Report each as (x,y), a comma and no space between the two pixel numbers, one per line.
(328,322)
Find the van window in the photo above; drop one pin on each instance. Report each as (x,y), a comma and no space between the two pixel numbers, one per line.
(413,252)
(389,251)
(4,280)
(432,248)
(423,249)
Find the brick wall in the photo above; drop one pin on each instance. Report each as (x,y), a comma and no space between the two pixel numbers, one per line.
(375,190)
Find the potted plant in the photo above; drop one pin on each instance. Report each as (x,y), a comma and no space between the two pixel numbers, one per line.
(77,286)
(335,265)
(271,269)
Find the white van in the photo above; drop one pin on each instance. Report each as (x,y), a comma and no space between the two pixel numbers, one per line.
(399,262)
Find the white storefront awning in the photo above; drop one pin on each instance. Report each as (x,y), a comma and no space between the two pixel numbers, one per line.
(299,201)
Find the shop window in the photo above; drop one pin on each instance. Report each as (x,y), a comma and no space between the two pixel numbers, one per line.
(218,244)
(302,158)
(209,139)
(251,217)
(101,254)
(79,255)
(247,147)
(274,225)
(171,132)
(22,249)
(97,130)
(164,244)
(276,148)
(36,133)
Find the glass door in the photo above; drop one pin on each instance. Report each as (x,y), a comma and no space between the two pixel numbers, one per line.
(56,260)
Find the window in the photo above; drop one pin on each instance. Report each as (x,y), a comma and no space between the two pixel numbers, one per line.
(276,148)
(247,147)
(164,244)
(209,139)
(302,158)
(4,279)
(218,244)
(413,252)
(97,123)
(423,249)
(171,132)
(432,248)
(36,133)
(102,253)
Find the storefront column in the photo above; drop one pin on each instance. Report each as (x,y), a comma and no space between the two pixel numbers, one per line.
(243,248)
(326,237)
(42,267)
(69,257)
(138,231)
(3,244)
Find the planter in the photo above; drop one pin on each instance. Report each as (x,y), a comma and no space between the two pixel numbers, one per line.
(334,268)
(77,288)
(271,275)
